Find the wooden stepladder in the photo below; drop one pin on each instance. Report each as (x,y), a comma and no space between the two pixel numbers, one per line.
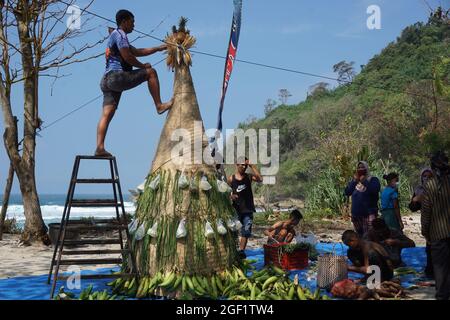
(119,224)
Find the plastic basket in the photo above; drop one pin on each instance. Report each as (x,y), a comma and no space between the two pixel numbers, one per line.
(295,260)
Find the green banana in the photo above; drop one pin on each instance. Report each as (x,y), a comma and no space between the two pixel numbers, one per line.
(132,288)
(316,295)
(291,292)
(204,282)
(183,283)
(139,293)
(257,289)
(253,292)
(131,283)
(274,297)
(300,293)
(146,286)
(269,281)
(105,295)
(198,287)
(261,295)
(235,275)
(215,291)
(112,283)
(168,280)
(219,283)
(241,274)
(177,282)
(190,283)
(85,293)
(279,271)
(149,286)
(262,278)
(227,290)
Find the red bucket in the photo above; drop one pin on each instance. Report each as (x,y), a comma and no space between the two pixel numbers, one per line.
(295,260)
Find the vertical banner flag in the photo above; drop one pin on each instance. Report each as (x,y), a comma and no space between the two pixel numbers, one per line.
(231,55)
(229,61)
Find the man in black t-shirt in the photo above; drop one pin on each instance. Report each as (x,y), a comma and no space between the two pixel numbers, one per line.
(242,197)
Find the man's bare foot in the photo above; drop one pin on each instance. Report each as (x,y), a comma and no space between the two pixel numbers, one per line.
(102,153)
(163,107)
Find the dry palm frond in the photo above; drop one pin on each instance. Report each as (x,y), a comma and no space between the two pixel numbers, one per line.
(182,24)
(179,42)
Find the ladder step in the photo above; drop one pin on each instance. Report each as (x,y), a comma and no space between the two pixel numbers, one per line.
(88,252)
(95,203)
(91,221)
(90,261)
(100,276)
(95,158)
(96,180)
(92,241)
(114,226)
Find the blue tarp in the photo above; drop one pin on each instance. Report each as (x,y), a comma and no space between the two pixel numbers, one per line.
(36,287)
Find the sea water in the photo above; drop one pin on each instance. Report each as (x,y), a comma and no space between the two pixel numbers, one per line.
(52,207)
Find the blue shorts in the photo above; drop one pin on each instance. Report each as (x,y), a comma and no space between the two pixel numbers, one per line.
(247,221)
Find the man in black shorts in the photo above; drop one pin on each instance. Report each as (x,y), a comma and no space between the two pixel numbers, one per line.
(120,76)
(242,197)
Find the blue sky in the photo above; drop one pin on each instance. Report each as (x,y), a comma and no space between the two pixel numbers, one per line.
(309,36)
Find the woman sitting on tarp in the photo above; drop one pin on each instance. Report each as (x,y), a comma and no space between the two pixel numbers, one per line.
(284,231)
(363,254)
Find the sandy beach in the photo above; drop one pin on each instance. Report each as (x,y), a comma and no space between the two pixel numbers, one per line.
(19,261)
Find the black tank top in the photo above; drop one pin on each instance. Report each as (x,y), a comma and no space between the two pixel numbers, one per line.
(243,188)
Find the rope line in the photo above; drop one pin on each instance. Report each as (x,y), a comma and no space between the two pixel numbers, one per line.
(82,106)
(236,60)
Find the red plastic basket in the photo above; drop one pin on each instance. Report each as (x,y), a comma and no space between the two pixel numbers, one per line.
(296,260)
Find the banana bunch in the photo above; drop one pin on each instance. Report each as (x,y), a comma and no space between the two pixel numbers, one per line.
(270,283)
(86,294)
(235,283)
(128,287)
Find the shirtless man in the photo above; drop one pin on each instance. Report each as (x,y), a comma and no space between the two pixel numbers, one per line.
(283,231)
(363,253)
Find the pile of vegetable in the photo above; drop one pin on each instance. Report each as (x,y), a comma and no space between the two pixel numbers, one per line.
(348,289)
(312,252)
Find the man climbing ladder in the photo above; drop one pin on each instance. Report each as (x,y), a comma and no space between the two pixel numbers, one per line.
(120,76)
